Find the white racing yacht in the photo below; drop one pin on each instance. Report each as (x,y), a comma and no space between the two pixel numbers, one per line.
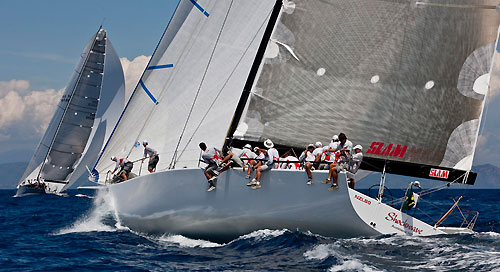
(405,79)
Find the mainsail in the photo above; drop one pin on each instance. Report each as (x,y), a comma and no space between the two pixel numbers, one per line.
(89,107)
(405,79)
(190,88)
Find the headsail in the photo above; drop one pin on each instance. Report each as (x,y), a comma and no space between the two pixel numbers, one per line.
(93,98)
(188,94)
(405,79)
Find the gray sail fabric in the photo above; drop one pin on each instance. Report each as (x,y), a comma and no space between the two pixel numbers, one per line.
(395,76)
(74,123)
(111,100)
(40,154)
(190,88)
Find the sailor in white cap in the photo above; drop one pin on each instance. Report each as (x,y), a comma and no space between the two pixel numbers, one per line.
(153,156)
(231,159)
(272,157)
(309,159)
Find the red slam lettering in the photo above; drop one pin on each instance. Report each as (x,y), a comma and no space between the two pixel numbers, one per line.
(439,173)
(377,148)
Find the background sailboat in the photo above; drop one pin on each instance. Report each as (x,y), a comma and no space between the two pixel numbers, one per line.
(405,79)
(84,118)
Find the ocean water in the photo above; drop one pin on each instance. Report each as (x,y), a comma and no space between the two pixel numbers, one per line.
(80,232)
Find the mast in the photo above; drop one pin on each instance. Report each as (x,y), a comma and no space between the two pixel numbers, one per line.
(69,102)
(252,75)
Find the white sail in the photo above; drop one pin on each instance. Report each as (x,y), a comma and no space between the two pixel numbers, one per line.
(90,106)
(190,88)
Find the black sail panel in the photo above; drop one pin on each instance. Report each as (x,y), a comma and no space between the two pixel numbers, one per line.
(397,77)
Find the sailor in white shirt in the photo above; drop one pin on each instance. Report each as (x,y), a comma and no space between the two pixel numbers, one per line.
(319,155)
(253,164)
(153,156)
(211,156)
(309,157)
(232,159)
(272,157)
(344,147)
(125,165)
(354,164)
(330,149)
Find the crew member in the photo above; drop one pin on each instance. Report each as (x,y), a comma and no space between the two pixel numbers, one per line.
(211,156)
(272,157)
(125,167)
(253,164)
(153,156)
(231,159)
(309,158)
(344,147)
(318,155)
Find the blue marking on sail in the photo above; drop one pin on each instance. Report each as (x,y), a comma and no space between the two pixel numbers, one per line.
(160,66)
(94,176)
(200,8)
(498,46)
(148,92)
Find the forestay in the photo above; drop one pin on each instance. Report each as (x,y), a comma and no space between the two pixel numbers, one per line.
(190,88)
(405,79)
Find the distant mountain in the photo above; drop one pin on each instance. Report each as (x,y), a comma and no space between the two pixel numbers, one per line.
(488,176)
(11,173)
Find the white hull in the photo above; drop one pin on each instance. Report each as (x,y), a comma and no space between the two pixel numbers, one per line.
(24,190)
(177,201)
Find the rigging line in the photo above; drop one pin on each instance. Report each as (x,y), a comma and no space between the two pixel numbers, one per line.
(223,86)
(172,162)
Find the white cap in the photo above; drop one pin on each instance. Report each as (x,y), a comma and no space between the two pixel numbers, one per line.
(256,148)
(358,147)
(318,144)
(310,145)
(248,146)
(268,143)
(145,142)
(113,158)
(335,137)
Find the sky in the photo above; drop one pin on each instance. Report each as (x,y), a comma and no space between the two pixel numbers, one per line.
(42,41)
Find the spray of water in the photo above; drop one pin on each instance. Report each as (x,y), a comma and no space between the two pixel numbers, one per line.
(102,216)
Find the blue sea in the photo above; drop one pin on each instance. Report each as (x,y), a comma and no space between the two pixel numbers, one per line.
(80,232)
